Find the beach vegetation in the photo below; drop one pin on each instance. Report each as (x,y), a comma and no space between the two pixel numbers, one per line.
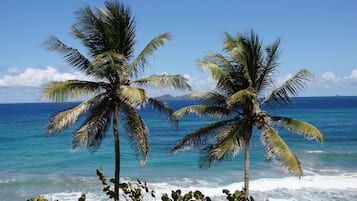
(244,75)
(114,85)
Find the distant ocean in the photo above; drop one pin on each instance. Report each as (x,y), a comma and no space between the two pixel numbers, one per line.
(32,164)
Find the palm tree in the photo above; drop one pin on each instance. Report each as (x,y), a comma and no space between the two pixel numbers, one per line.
(109,36)
(243,75)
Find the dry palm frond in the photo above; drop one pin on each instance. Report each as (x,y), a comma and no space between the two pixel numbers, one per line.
(137,131)
(68,117)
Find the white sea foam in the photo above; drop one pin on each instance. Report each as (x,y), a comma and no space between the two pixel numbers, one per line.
(316,187)
(316,152)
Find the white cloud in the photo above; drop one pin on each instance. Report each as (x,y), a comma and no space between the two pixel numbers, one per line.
(353,75)
(37,76)
(13,70)
(329,76)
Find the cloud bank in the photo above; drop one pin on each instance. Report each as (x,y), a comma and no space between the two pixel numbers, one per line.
(17,83)
(35,77)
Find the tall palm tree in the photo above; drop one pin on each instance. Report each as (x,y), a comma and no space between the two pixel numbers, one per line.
(109,36)
(243,75)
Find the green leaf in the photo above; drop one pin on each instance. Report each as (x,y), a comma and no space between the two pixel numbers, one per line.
(290,87)
(62,91)
(300,127)
(212,111)
(275,146)
(165,81)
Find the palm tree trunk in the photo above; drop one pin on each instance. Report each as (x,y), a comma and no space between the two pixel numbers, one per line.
(247,163)
(117,152)
(246,169)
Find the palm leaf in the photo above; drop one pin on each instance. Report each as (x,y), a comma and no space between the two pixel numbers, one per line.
(209,97)
(135,127)
(134,96)
(229,142)
(91,133)
(59,91)
(141,60)
(164,108)
(212,111)
(109,65)
(275,146)
(290,87)
(264,79)
(245,96)
(298,126)
(71,55)
(216,72)
(199,136)
(165,81)
(68,117)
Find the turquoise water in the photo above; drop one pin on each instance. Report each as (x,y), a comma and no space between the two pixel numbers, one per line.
(32,164)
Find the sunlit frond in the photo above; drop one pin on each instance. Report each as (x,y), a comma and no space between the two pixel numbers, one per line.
(68,117)
(300,127)
(91,133)
(229,141)
(209,97)
(212,111)
(135,127)
(164,108)
(275,146)
(71,55)
(245,96)
(141,60)
(133,96)
(165,81)
(216,72)
(59,91)
(199,136)
(290,87)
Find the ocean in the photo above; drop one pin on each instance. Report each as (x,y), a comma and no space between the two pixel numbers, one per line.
(32,163)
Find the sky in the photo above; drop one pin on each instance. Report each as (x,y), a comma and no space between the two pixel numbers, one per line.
(317,35)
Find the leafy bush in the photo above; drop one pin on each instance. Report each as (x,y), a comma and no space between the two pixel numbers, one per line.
(176,196)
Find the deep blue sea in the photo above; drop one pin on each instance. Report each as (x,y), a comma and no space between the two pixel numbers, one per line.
(32,163)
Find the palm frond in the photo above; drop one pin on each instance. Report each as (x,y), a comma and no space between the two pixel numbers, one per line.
(264,79)
(109,65)
(141,60)
(59,91)
(229,142)
(301,127)
(122,26)
(91,133)
(209,97)
(68,117)
(165,81)
(245,96)
(212,111)
(133,96)
(216,72)
(164,108)
(275,146)
(290,87)
(135,127)
(199,136)
(71,55)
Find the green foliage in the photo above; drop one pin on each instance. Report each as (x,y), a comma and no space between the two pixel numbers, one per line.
(38,198)
(237,196)
(131,192)
(178,196)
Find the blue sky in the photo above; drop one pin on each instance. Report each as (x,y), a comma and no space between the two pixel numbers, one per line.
(317,35)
